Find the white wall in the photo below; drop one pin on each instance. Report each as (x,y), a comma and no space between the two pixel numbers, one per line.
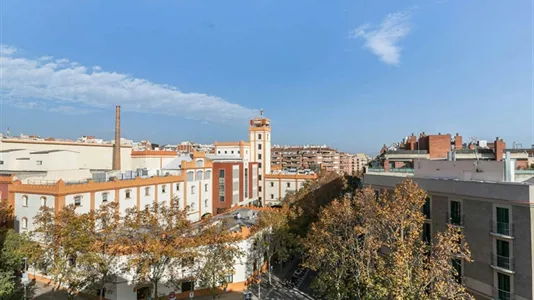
(90,156)
(29,212)
(278,188)
(85,206)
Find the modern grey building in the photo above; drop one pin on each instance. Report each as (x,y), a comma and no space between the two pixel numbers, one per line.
(493,205)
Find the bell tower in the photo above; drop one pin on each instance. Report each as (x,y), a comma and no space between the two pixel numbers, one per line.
(259,133)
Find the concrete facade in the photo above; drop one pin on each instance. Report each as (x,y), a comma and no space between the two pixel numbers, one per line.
(488,275)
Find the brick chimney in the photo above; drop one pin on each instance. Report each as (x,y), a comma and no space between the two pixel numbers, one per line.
(386,165)
(500,145)
(384,149)
(457,142)
(117,144)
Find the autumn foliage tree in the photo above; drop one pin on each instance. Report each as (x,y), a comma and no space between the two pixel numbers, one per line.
(65,237)
(218,253)
(372,248)
(275,238)
(102,260)
(156,237)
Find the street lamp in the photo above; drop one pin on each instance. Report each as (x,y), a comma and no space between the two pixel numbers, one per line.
(25,280)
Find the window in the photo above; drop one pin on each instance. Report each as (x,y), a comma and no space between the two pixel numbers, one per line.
(456,213)
(188,286)
(272,196)
(77,200)
(39,162)
(24,222)
(225,152)
(232,151)
(259,146)
(205,203)
(219,152)
(207,174)
(427,233)
(43,201)
(190,176)
(259,177)
(246,183)
(259,156)
(192,190)
(289,184)
(193,205)
(272,184)
(199,175)
(199,163)
(24,200)
(229,278)
(259,188)
(503,221)
(221,185)
(259,136)
(259,165)
(1,162)
(504,287)
(147,191)
(457,264)
(206,187)
(104,197)
(426,208)
(178,187)
(503,254)
(163,189)
(128,194)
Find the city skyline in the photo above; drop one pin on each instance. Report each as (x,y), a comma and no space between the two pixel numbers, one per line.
(199,71)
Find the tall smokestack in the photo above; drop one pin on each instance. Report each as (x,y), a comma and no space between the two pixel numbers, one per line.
(117,145)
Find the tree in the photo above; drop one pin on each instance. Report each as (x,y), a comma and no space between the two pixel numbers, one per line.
(218,255)
(64,237)
(274,237)
(105,249)
(155,237)
(372,248)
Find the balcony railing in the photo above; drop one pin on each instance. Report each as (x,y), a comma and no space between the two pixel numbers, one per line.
(503,262)
(502,228)
(400,170)
(455,219)
(502,295)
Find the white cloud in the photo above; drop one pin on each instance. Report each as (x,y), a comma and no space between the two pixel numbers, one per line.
(68,87)
(383,40)
(7,50)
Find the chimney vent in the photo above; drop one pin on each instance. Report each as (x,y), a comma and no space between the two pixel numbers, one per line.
(117,144)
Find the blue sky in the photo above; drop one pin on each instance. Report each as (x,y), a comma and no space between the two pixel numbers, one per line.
(352,74)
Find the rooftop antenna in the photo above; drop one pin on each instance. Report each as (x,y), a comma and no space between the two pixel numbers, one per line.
(261,112)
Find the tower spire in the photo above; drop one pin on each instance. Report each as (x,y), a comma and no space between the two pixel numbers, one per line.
(261,112)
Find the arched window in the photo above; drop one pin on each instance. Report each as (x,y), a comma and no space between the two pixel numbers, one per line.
(24,200)
(206,203)
(199,175)
(192,190)
(24,223)
(200,163)
(43,201)
(190,176)
(207,174)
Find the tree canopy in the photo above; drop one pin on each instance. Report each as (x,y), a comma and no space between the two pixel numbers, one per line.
(371,247)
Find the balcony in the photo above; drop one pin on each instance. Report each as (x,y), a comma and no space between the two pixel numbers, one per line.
(502,295)
(501,229)
(455,219)
(503,263)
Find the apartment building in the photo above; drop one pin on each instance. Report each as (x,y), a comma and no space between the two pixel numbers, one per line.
(352,163)
(306,157)
(444,146)
(492,203)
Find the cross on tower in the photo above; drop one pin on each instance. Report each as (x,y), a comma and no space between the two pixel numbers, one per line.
(261,112)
